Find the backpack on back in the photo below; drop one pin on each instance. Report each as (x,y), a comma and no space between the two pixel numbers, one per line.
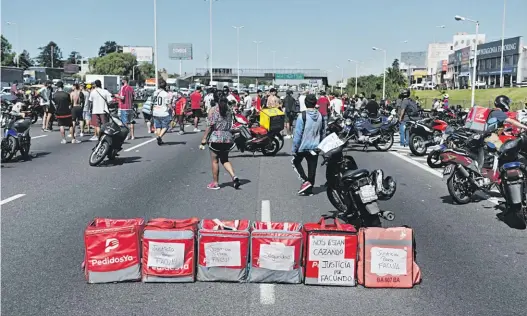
(412,109)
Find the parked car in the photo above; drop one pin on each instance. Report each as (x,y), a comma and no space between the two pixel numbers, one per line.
(481,85)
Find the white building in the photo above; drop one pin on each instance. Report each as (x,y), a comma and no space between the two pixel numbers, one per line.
(436,53)
(462,40)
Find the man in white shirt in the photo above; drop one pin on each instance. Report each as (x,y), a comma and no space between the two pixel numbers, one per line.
(336,105)
(100,98)
(208,100)
(161,111)
(302,101)
(248,103)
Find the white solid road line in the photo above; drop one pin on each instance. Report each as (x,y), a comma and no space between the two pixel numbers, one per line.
(141,144)
(267,291)
(39,136)
(9,199)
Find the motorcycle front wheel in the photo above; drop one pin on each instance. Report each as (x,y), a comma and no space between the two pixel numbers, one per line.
(9,146)
(272,148)
(417,145)
(386,140)
(99,153)
(458,188)
(433,159)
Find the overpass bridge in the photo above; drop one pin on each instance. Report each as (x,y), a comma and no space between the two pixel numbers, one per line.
(230,74)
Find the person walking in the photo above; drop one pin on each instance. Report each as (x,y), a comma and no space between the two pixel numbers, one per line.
(289,106)
(63,103)
(86,111)
(302,101)
(77,101)
(309,132)
(179,110)
(161,111)
(45,95)
(126,100)
(195,105)
(220,140)
(100,98)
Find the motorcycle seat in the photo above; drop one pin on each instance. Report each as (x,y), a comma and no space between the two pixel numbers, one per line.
(372,130)
(376,120)
(22,125)
(260,131)
(355,174)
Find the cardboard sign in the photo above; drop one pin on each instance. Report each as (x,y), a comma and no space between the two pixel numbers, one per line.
(223,254)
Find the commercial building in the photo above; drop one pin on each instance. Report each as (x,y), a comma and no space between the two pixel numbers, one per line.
(413,64)
(436,53)
(462,40)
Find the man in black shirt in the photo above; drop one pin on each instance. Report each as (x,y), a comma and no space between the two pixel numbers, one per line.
(373,108)
(62,102)
(289,106)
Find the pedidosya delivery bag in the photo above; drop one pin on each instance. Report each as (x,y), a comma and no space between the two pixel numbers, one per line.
(387,258)
(276,252)
(331,253)
(112,250)
(169,250)
(223,249)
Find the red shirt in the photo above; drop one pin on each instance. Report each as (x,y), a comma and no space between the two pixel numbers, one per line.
(258,104)
(323,105)
(237,97)
(128,93)
(195,100)
(180,106)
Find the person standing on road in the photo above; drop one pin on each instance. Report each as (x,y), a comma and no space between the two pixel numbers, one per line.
(308,135)
(408,109)
(302,101)
(323,105)
(147,115)
(208,100)
(265,98)
(100,98)
(272,100)
(248,104)
(77,101)
(86,112)
(336,105)
(161,111)
(195,105)
(219,137)
(49,109)
(181,102)
(126,101)
(63,102)
(289,106)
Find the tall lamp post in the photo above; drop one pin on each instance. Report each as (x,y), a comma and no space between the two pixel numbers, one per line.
(238,28)
(341,77)
(17,53)
(257,59)
(210,37)
(384,72)
(356,72)
(274,65)
(502,81)
(475,63)
(155,44)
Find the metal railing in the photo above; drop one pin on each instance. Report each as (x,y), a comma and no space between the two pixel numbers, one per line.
(253,72)
(426,103)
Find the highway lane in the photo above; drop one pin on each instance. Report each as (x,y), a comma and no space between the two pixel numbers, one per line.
(472,263)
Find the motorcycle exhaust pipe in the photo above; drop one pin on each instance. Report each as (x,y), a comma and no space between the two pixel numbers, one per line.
(387,215)
(465,174)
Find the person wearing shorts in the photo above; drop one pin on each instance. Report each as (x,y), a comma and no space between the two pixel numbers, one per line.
(86,113)
(195,105)
(63,113)
(181,102)
(126,100)
(77,101)
(161,111)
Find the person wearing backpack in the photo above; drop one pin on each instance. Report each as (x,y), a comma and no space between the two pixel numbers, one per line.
(309,132)
(408,109)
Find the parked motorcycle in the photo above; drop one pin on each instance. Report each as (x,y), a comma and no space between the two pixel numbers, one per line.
(255,139)
(251,122)
(424,133)
(111,139)
(16,136)
(451,139)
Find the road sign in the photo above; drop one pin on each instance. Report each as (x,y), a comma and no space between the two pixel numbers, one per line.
(289,76)
(180,51)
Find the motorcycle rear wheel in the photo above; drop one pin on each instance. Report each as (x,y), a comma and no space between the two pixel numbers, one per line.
(335,200)
(433,159)
(417,151)
(454,182)
(272,148)
(388,138)
(97,156)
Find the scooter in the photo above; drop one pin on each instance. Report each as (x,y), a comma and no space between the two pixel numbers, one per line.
(256,139)
(16,136)
(111,139)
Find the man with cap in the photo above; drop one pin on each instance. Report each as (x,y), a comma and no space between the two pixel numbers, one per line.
(309,132)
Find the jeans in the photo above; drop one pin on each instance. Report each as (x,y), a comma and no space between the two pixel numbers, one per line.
(311,160)
(402,134)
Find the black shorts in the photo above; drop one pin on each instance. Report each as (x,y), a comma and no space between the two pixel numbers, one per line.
(290,117)
(49,109)
(76,114)
(197,112)
(147,116)
(64,120)
(220,147)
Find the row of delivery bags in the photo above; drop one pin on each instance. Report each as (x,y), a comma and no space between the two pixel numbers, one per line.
(172,250)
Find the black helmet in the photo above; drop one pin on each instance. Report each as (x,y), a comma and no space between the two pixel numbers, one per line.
(405,93)
(289,92)
(502,102)
(226,89)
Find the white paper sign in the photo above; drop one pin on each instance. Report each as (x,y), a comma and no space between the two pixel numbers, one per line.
(332,141)
(337,272)
(223,254)
(169,255)
(277,257)
(388,261)
(326,248)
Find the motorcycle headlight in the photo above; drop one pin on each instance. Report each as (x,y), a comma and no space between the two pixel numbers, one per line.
(348,121)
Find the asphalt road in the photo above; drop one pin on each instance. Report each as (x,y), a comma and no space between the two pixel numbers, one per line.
(472,263)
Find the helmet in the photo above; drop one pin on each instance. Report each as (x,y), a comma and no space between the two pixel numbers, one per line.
(289,92)
(405,93)
(502,102)
(445,96)
(88,86)
(226,89)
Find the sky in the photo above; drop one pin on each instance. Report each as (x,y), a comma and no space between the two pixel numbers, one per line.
(312,34)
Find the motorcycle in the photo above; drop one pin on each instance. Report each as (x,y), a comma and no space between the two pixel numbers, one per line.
(111,139)
(353,192)
(425,133)
(255,139)
(16,136)
(365,130)
(451,139)
(251,122)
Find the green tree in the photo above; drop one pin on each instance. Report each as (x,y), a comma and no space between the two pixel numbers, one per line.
(109,47)
(7,54)
(48,53)
(74,56)
(113,64)
(145,71)
(24,60)
(174,75)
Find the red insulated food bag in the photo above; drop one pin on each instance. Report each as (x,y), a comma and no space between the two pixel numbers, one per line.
(113,250)
(331,253)
(169,250)
(223,250)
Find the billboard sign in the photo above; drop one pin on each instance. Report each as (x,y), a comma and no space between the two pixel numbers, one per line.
(180,51)
(511,46)
(289,76)
(141,53)
(71,68)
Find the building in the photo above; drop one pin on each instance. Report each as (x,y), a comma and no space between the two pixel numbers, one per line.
(413,65)
(489,62)
(435,54)
(462,40)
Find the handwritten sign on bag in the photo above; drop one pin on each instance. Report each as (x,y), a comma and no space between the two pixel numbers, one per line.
(223,254)
(166,255)
(336,272)
(277,256)
(326,248)
(388,261)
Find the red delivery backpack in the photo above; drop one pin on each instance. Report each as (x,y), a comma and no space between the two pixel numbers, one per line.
(331,253)
(387,258)
(112,250)
(169,250)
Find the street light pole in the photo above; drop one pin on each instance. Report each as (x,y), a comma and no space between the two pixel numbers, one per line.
(238,48)
(384,73)
(210,37)
(274,65)
(17,53)
(257,60)
(52,55)
(341,78)
(356,72)
(502,83)
(155,44)
(475,63)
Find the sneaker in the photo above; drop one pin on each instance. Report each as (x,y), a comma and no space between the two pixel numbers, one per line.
(75,141)
(308,192)
(159,141)
(69,135)
(132,138)
(46,130)
(63,141)
(213,186)
(81,135)
(149,132)
(197,130)
(181,133)
(306,185)
(94,138)
(236,182)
